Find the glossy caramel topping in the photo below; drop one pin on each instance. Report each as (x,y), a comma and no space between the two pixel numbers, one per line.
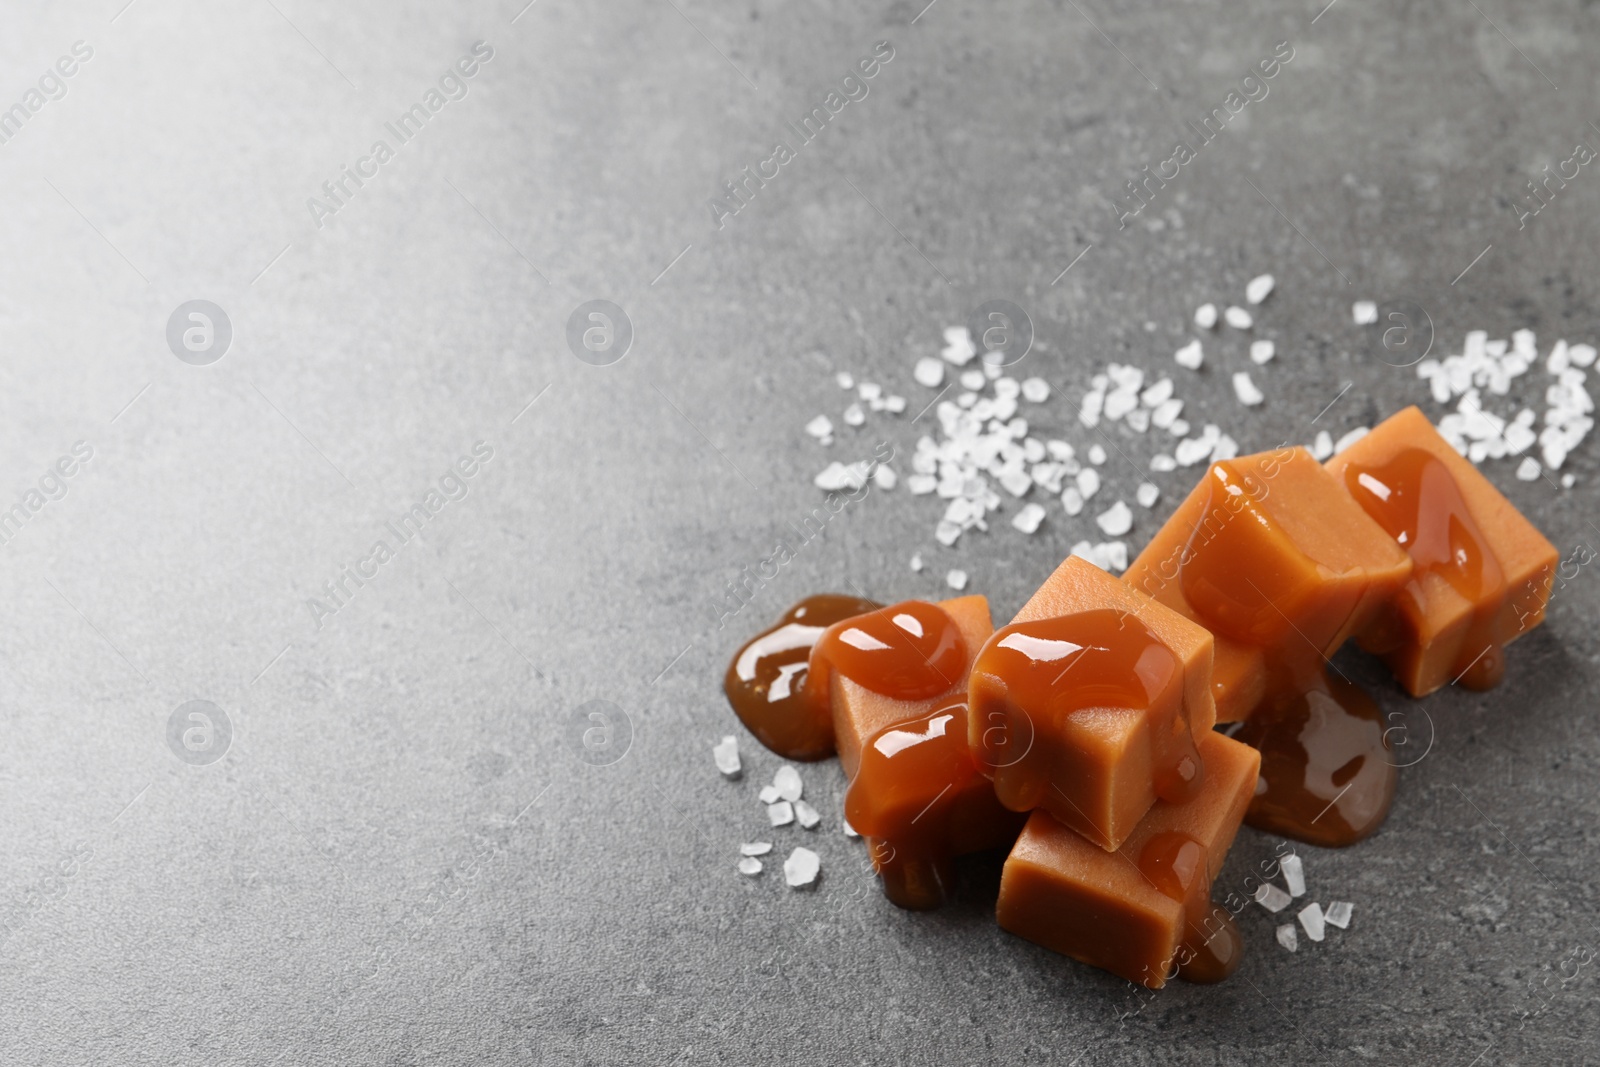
(1326,777)
(1211,948)
(766,682)
(908,651)
(1212,951)
(1416,500)
(1076,665)
(1222,574)
(1173,862)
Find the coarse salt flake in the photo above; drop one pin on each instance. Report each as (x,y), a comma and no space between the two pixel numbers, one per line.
(750,866)
(787,782)
(1035,390)
(1311,918)
(956,579)
(781,813)
(801,868)
(1246,390)
(820,427)
(1288,938)
(1238,318)
(1528,470)
(726,755)
(1205,316)
(1028,519)
(1365,312)
(1261,352)
(806,815)
(1294,874)
(1147,494)
(768,794)
(929,372)
(1338,914)
(1258,288)
(1115,520)
(1189,356)
(755,848)
(1272,898)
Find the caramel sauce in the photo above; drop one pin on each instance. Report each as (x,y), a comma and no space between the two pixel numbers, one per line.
(908,651)
(1415,499)
(766,682)
(1326,778)
(1211,952)
(1077,664)
(1211,949)
(920,798)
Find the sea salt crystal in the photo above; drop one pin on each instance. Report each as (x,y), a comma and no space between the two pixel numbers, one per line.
(1007,388)
(894,404)
(1338,914)
(750,866)
(947,533)
(726,755)
(820,427)
(1258,288)
(1288,938)
(1311,918)
(1088,482)
(1365,312)
(1138,420)
(1322,447)
(929,372)
(1179,428)
(972,380)
(1528,470)
(787,782)
(1035,390)
(1072,500)
(1568,481)
(869,391)
(836,477)
(1016,481)
(1205,316)
(769,794)
(1166,413)
(1189,356)
(1238,318)
(1115,554)
(1120,403)
(1192,450)
(884,477)
(1115,520)
(755,848)
(1147,494)
(844,380)
(1581,355)
(956,579)
(1246,390)
(958,346)
(1294,874)
(781,813)
(849,831)
(1028,519)
(1261,352)
(1097,455)
(1272,898)
(922,484)
(1157,394)
(1349,439)
(807,816)
(801,868)
(854,416)
(1161,463)
(916,561)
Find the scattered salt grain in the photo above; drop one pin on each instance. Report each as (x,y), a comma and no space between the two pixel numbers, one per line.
(1115,520)
(916,561)
(894,404)
(1261,352)
(769,794)
(972,380)
(1028,519)
(1568,481)
(1338,914)
(787,782)
(1365,312)
(750,866)
(1246,390)
(755,848)
(1158,394)
(820,427)
(956,579)
(1147,494)
(726,755)
(854,416)
(1097,455)
(844,380)
(929,372)
(1349,439)
(1238,318)
(870,391)
(1528,470)
(1189,356)
(1311,918)
(781,813)
(807,815)
(884,477)
(1162,463)
(849,831)
(1288,938)
(1035,390)
(836,477)
(1294,874)
(1258,288)
(1322,447)
(801,868)
(1272,898)
(1088,482)
(1581,355)
(1205,316)
(1072,500)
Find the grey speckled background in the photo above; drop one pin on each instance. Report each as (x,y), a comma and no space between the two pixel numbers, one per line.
(400,858)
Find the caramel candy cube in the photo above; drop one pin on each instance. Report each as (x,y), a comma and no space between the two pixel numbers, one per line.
(1270,554)
(859,713)
(1088,702)
(1145,909)
(1482,572)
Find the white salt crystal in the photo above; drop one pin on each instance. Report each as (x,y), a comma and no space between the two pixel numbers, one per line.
(1115,554)
(726,755)
(1120,402)
(958,346)
(801,868)
(849,831)
(1017,482)
(1179,427)
(1288,938)
(1094,402)
(1322,447)
(1581,355)
(956,579)
(769,794)
(1365,312)
(947,533)
(1006,387)
(1161,463)
(922,484)
(1088,482)
(1246,390)
(781,813)
(929,372)
(1349,439)
(806,814)
(869,391)
(837,476)
(854,416)
(750,866)
(916,561)
(1258,288)
(1147,494)
(1568,481)
(1528,470)
(1192,450)
(1238,318)
(1072,500)
(1294,874)
(787,782)
(820,427)
(1157,394)
(1189,356)
(755,848)
(1138,420)
(1166,413)
(1272,898)
(972,380)
(1205,316)
(1338,914)
(1261,352)
(1097,455)
(1035,390)
(884,477)
(894,404)
(1311,918)
(844,380)
(1115,520)
(1028,519)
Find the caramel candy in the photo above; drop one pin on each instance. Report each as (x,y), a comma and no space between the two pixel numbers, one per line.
(861,709)
(1483,573)
(1143,912)
(1271,555)
(1087,703)
(919,797)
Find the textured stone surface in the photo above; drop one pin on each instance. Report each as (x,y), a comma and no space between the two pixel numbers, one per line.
(407,853)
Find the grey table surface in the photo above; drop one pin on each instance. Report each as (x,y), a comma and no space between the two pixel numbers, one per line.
(393,845)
